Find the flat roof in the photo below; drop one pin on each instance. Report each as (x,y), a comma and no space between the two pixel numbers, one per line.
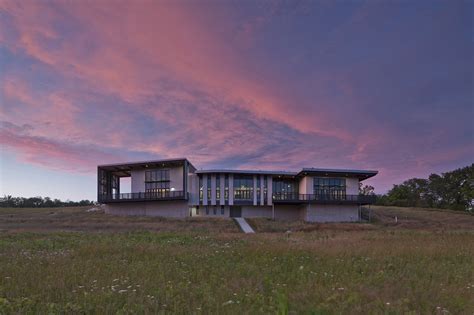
(260,172)
(125,167)
(144,164)
(361,174)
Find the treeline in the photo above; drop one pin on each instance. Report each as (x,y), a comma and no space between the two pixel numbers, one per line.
(39,202)
(451,190)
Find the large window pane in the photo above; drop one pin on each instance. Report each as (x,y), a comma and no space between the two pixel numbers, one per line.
(330,188)
(243,187)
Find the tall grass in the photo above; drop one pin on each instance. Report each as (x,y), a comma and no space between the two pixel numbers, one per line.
(318,272)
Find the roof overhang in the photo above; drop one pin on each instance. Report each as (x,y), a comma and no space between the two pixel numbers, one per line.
(248,172)
(123,169)
(360,174)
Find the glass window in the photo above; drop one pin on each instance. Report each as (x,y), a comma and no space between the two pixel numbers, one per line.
(222,210)
(157,181)
(330,188)
(214,210)
(243,187)
(285,189)
(207,210)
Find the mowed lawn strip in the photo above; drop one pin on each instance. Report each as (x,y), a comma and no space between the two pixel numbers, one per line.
(320,270)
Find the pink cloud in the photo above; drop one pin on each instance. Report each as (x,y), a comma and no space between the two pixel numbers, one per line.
(48,153)
(128,58)
(172,79)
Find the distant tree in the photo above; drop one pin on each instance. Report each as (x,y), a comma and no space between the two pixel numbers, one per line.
(453,190)
(366,190)
(39,202)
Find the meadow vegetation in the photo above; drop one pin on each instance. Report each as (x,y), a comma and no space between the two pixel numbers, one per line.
(67,260)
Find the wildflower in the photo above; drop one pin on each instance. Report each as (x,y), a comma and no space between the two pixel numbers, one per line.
(227,303)
(301,267)
(122,291)
(115,280)
(388,303)
(341,289)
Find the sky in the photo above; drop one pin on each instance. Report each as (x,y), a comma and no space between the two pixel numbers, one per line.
(268,85)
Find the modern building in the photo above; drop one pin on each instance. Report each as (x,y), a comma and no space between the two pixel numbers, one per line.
(175,188)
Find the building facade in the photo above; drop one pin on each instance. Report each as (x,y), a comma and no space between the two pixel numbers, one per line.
(175,188)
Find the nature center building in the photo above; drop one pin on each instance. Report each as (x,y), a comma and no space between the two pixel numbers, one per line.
(175,188)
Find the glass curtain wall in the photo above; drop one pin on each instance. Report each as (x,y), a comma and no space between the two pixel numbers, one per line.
(243,187)
(285,189)
(330,188)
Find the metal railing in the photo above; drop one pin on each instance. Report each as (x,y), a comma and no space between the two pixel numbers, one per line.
(141,196)
(324,198)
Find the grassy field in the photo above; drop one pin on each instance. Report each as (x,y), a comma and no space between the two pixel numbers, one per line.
(72,261)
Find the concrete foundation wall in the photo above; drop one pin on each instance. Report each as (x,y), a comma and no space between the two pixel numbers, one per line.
(201,211)
(282,212)
(256,211)
(170,209)
(289,212)
(332,213)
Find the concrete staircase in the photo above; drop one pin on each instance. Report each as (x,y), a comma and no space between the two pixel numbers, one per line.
(244,226)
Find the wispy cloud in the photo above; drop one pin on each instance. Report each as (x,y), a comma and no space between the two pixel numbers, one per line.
(266,86)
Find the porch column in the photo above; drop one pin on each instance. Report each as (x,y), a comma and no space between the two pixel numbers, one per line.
(269,190)
(254,190)
(222,186)
(213,189)
(204,189)
(231,189)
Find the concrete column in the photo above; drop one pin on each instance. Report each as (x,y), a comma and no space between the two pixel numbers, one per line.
(231,189)
(254,190)
(204,189)
(213,189)
(222,186)
(262,202)
(269,190)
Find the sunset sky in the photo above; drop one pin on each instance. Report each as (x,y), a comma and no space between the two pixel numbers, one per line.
(274,85)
